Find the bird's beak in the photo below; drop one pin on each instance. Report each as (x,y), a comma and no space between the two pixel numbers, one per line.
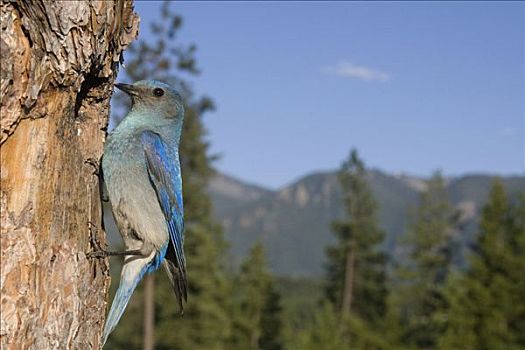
(128,89)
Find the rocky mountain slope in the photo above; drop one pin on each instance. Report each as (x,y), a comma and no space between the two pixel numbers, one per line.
(294,222)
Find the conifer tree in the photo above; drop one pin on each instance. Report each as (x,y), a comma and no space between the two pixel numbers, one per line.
(487,309)
(271,321)
(516,268)
(356,265)
(324,332)
(256,312)
(421,279)
(205,324)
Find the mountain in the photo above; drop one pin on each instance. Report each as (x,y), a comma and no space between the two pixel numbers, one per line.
(294,222)
(230,194)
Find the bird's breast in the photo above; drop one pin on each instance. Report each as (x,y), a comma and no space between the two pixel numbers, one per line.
(133,199)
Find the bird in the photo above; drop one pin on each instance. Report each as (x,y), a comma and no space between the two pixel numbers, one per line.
(142,173)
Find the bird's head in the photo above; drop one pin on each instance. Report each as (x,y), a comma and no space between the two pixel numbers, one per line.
(151,96)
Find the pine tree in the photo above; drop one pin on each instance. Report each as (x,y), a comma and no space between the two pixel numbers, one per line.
(516,268)
(487,309)
(324,332)
(271,321)
(205,324)
(356,265)
(420,301)
(256,311)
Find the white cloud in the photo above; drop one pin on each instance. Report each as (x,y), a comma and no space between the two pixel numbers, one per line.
(347,69)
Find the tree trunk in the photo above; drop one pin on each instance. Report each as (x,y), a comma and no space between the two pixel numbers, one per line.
(149,312)
(59,61)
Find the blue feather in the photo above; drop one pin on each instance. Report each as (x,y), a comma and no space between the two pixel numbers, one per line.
(166,178)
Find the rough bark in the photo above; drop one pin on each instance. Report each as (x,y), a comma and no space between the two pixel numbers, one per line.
(58,63)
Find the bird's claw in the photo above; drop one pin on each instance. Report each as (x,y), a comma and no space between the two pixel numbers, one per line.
(97,252)
(95,164)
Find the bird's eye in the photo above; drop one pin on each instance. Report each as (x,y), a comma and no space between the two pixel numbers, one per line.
(158,92)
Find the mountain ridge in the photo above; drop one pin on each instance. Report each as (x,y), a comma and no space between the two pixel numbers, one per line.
(293,222)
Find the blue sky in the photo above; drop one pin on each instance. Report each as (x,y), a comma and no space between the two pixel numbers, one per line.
(415,86)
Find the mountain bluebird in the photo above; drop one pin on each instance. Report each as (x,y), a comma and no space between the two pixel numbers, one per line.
(142,173)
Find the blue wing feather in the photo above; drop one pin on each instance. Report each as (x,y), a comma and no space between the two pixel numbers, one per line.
(165,176)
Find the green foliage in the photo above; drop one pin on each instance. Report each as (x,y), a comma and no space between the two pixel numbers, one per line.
(300,303)
(418,303)
(327,332)
(487,309)
(256,310)
(358,249)
(324,333)
(205,324)
(359,231)
(271,321)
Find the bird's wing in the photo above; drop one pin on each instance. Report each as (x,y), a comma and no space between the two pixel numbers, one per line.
(166,179)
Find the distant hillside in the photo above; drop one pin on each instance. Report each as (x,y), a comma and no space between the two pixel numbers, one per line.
(294,222)
(230,194)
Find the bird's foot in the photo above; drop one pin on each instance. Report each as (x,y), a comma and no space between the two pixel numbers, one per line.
(95,164)
(97,252)
(97,172)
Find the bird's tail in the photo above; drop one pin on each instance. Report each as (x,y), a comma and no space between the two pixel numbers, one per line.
(132,272)
(178,282)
